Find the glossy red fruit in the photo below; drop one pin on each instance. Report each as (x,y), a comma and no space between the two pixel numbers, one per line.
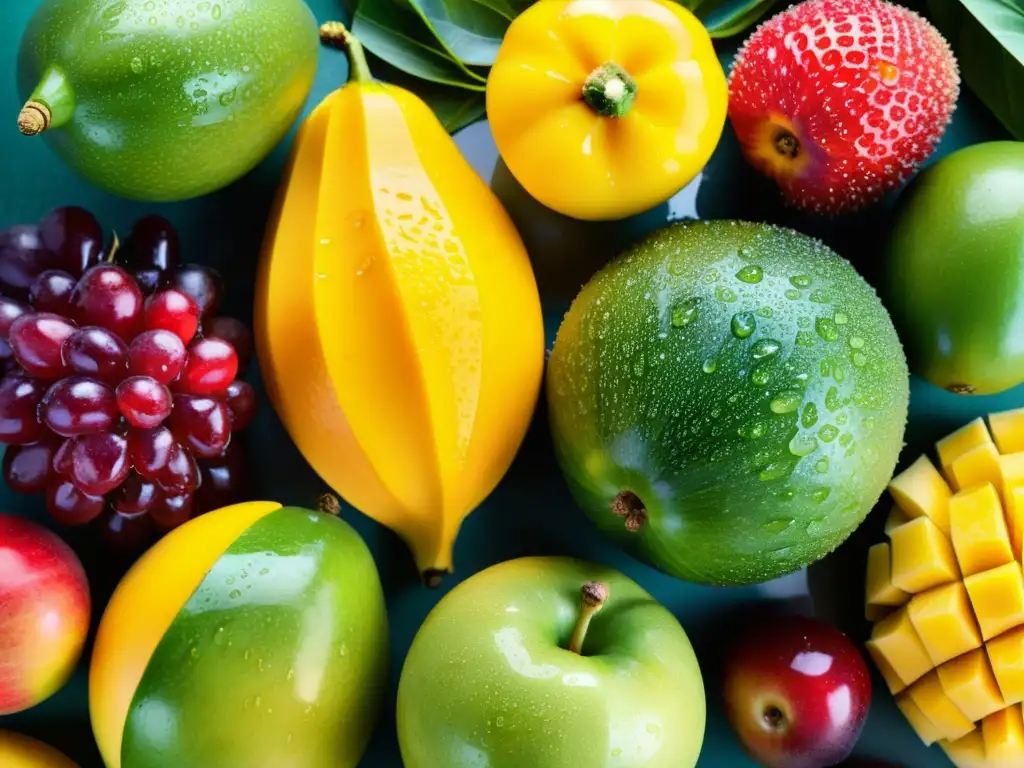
(22,258)
(10,310)
(19,404)
(135,495)
(28,468)
(175,311)
(240,399)
(75,236)
(37,340)
(70,506)
(202,424)
(153,242)
(211,366)
(78,405)
(109,297)
(51,292)
(98,353)
(202,283)
(143,401)
(223,480)
(235,333)
(99,463)
(796,692)
(180,475)
(159,354)
(171,511)
(149,450)
(126,534)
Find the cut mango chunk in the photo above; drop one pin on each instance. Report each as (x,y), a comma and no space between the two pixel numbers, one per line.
(895,640)
(1015,520)
(922,557)
(1011,474)
(896,518)
(920,491)
(943,619)
(1007,429)
(923,727)
(1006,655)
(927,693)
(978,529)
(970,684)
(956,444)
(879,589)
(967,751)
(1003,732)
(997,596)
(979,465)
(892,680)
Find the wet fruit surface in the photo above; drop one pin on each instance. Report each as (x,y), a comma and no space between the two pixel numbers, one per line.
(727,400)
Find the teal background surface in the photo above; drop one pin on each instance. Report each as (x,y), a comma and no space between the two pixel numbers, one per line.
(531,511)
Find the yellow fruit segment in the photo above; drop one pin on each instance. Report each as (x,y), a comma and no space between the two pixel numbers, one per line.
(895,640)
(1003,732)
(978,529)
(896,518)
(956,444)
(922,556)
(967,752)
(979,465)
(1006,655)
(18,751)
(1011,474)
(879,590)
(943,621)
(929,697)
(969,683)
(143,606)
(892,680)
(997,596)
(923,727)
(920,491)
(1007,429)
(1015,520)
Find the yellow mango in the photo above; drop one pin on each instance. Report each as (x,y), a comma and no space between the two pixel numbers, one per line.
(397,316)
(967,751)
(978,529)
(1007,429)
(919,490)
(1011,474)
(979,465)
(922,557)
(892,680)
(957,443)
(970,684)
(1003,732)
(895,640)
(923,727)
(927,693)
(943,620)
(997,597)
(1006,655)
(879,590)
(896,518)
(1015,520)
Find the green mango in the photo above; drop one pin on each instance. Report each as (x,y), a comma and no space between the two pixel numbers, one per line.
(278,659)
(169,100)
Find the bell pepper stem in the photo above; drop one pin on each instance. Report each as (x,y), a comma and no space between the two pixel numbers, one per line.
(335,34)
(51,105)
(593,596)
(609,90)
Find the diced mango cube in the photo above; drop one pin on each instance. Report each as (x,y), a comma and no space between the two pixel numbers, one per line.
(879,589)
(892,680)
(943,619)
(1003,732)
(997,596)
(1011,474)
(895,640)
(927,693)
(1006,655)
(967,751)
(956,444)
(896,518)
(970,684)
(979,465)
(922,556)
(922,726)
(978,529)
(1007,429)
(1015,520)
(920,491)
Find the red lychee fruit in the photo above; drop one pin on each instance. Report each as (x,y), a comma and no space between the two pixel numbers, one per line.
(839,101)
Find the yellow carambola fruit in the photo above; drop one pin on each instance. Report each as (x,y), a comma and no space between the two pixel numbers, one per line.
(398,322)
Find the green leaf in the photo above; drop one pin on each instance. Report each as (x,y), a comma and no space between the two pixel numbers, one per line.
(987,37)
(470,30)
(730,18)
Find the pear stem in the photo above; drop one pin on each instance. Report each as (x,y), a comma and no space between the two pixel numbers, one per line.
(335,34)
(34,118)
(328,504)
(594,594)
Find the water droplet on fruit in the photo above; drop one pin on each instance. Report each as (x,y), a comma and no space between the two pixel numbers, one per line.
(751,273)
(792,294)
(821,465)
(711,276)
(803,445)
(859,359)
(137,65)
(220,636)
(765,312)
(819,297)
(710,365)
(820,495)
(786,495)
(832,401)
(751,431)
(760,375)
(685,313)
(778,525)
(763,348)
(856,342)
(801,281)
(805,339)
(234,594)
(229,580)
(786,401)
(725,293)
(842,318)
(827,328)
(743,325)
(810,416)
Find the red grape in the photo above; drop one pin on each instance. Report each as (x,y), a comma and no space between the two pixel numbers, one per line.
(99,463)
(150,450)
(126,534)
(158,354)
(171,511)
(135,495)
(144,401)
(19,405)
(224,480)
(240,399)
(181,473)
(10,310)
(69,505)
(212,364)
(75,236)
(202,283)
(147,278)
(51,292)
(22,259)
(175,311)
(37,340)
(98,353)
(78,405)
(153,242)
(107,296)
(235,333)
(202,424)
(63,459)
(28,468)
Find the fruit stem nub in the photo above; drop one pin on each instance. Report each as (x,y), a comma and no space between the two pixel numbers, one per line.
(786,144)
(628,506)
(328,504)
(34,118)
(335,34)
(594,595)
(609,90)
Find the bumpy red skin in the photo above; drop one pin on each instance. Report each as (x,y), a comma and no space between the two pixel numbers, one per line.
(44,613)
(867,87)
(814,675)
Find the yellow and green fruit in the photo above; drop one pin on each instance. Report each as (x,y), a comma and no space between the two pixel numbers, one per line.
(18,751)
(946,593)
(254,635)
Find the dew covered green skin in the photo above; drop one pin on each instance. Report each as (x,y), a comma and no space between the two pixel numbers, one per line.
(164,100)
(744,384)
(279,658)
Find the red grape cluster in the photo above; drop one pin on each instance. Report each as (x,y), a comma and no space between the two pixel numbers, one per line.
(119,393)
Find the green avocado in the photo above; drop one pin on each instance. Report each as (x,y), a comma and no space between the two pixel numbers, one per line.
(727,400)
(955,270)
(169,100)
(279,658)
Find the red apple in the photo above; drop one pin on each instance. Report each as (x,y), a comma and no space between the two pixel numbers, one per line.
(44,613)
(797,693)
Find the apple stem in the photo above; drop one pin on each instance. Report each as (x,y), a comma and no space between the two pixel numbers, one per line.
(628,506)
(786,144)
(594,595)
(328,504)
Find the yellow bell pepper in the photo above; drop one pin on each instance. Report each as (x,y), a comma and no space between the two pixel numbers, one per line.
(602,109)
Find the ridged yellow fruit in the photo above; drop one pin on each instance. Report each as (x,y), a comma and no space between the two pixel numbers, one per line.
(398,322)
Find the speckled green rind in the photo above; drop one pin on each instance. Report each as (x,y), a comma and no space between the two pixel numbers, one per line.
(278,659)
(489,682)
(744,382)
(172,98)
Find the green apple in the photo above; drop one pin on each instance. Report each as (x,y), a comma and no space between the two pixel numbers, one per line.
(513,669)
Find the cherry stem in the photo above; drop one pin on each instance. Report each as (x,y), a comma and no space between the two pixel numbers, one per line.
(114,246)
(328,504)
(335,34)
(594,594)
(628,506)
